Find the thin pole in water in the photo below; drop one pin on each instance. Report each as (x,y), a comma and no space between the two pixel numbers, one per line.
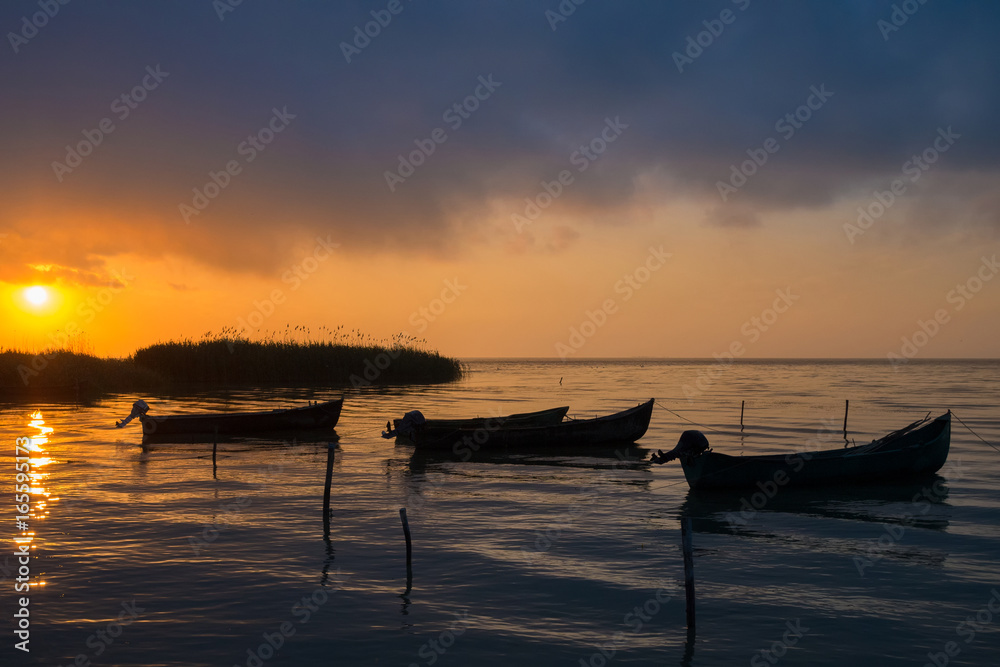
(326,489)
(409,550)
(687,548)
(215,448)
(847,405)
(742,404)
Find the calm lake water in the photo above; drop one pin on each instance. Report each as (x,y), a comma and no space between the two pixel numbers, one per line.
(532,560)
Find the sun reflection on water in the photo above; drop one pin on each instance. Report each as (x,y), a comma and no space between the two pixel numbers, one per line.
(40,497)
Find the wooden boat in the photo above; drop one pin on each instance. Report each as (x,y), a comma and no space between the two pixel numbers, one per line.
(912,452)
(621,428)
(403,429)
(309,417)
(540,418)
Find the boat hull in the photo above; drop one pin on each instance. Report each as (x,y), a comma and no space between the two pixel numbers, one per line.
(435,429)
(311,417)
(623,427)
(918,453)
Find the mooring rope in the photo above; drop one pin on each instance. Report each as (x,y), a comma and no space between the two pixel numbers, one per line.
(709,428)
(971,431)
(653,486)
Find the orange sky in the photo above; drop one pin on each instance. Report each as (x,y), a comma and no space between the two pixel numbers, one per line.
(842,300)
(503,186)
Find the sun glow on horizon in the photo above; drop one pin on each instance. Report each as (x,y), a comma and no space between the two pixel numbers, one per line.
(36,295)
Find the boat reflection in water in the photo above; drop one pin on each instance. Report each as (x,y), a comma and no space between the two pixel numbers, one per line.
(627,454)
(914,504)
(624,467)
(40,497)
(899,508)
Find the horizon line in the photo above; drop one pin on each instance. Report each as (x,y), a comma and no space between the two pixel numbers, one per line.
(723,360)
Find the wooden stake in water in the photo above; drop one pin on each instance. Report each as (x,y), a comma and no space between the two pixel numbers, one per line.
(215,448)
(326,488)
(742,404)
(409,550)
(687,548)
(847,404)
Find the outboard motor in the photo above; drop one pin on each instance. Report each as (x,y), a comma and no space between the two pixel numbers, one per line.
(138,408)
(405,425)
(691,445)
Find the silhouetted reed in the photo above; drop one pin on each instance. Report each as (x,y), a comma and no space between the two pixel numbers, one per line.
(289,357)
(30,373)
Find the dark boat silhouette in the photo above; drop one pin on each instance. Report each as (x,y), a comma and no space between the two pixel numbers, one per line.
(206,425)
(572,435)
(913,452)
(414,425)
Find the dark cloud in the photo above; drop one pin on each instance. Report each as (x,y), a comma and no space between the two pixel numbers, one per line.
(733,216)
(325,172)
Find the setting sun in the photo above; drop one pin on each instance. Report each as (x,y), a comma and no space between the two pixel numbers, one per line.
(36,295)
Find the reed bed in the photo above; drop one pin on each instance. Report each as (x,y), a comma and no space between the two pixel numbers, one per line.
(29,373)
(292,357)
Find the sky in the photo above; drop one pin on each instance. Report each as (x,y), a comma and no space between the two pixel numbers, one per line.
(568,179)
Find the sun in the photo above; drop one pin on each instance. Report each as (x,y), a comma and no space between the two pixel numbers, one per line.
(37,295)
